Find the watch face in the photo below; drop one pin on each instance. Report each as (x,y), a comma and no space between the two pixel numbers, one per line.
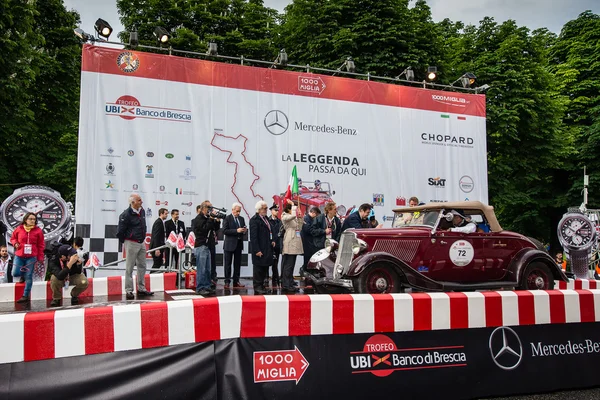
(576,231)
(50,212)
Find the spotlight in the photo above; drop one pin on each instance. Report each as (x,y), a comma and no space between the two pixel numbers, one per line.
(212,49)
(466,80)
(350,67)
(482,88)
(431,73)
(83,36)
(133,39)
(282,59)
(103,28)
(161,35)
(408,73)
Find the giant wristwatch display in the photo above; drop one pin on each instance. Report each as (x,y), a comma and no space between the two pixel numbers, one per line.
(577,235)
(54,215)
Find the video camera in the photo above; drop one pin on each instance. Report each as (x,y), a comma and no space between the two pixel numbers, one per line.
(217,212)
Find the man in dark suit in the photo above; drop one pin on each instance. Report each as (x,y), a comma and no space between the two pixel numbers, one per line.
(262,242)
(158,238)
(234,229)
(177,226)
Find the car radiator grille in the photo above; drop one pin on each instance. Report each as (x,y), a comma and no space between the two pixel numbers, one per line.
(344,255)
(405,250)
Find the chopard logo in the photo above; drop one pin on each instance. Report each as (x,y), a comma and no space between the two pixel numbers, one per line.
(505,348)
(276,122)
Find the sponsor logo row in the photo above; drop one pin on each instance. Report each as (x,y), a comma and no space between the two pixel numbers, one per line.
(110,153)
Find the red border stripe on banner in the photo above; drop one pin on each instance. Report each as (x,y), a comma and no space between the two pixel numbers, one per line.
(99,330)
(493,309)
(343,314)
(254,316)
(299,315)
(383,308)
(114,286)
(155,324)
(422,318)
(526,304)
(558,314)
(207,316)
(459,310)
(38,336)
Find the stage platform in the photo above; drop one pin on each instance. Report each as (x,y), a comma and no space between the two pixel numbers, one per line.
(7,307)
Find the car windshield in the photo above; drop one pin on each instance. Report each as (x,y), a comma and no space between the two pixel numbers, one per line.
(423,218)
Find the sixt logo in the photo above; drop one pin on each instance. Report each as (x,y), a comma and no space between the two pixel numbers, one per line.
(450,100)
(381,357)
(437,182)
(128,107)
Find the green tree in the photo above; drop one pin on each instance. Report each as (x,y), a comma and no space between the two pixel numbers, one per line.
(239,27)
(575,61)
(526,142)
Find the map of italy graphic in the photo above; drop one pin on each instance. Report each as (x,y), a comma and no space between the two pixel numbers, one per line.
(244,177)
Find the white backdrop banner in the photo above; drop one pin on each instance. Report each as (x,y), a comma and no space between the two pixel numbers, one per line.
(179,131)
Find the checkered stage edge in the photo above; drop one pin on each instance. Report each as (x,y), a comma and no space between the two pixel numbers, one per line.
(112,285)
(108,250)
(82,331)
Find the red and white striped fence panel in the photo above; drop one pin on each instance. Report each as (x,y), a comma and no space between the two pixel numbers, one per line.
(577,284)
(108,286)
(82,331)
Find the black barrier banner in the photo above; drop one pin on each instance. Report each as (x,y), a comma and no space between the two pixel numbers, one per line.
(450,364)
(174,372)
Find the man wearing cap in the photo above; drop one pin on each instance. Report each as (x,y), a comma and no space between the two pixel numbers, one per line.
(66,265)
(234,229)
(460,223)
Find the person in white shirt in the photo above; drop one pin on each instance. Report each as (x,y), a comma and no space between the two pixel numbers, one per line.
(461,224)
(5,265)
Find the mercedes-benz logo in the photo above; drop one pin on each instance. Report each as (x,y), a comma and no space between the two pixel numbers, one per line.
(505,348)
(276,122)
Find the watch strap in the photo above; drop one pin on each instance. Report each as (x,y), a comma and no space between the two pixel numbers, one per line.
(580,260)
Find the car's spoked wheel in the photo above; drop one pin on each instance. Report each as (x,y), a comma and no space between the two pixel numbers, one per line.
(379,279)
(537,276)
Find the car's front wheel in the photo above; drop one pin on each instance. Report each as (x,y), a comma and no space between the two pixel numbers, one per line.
(378,278)
(537,276)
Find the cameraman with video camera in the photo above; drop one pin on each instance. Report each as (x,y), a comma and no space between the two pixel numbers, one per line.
(216,214)
(68,264)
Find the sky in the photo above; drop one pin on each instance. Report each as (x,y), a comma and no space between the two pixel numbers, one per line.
(552,14)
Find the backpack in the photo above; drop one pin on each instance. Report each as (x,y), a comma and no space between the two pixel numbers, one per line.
(52,249)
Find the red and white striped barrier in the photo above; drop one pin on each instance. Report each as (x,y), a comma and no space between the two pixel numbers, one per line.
(578,284)
(64,333)
(108,286)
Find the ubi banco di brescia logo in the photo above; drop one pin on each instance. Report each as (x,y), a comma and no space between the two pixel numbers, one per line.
(438,139)
(380,357)
(277,123)
(129,108)
(327,164)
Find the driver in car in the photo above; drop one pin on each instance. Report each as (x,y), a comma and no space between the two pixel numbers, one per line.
(460,223)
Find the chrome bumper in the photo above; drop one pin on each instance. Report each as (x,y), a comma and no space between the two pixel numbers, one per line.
(343,283)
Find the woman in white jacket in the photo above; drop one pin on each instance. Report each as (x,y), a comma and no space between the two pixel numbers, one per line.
(292,245)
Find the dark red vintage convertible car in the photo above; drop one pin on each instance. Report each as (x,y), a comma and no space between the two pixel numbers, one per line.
(421,252)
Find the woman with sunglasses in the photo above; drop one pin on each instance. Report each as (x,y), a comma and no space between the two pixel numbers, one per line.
(28,241)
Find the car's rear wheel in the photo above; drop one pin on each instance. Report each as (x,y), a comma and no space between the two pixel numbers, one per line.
(378,278)
(537,276)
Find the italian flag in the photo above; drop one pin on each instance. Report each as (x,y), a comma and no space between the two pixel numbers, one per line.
(292,187)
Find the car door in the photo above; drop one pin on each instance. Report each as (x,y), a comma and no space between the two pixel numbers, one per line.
(499,250)
(453,257)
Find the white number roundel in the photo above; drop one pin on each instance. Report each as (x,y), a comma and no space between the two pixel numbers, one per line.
(461,253)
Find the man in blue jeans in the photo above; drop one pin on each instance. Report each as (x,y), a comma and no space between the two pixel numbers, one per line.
(204,224)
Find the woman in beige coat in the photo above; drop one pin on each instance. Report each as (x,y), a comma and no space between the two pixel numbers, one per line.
(292,245)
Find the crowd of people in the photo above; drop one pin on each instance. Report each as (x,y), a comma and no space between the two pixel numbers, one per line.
(273,236)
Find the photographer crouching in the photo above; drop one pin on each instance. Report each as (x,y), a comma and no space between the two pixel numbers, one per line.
(67,264)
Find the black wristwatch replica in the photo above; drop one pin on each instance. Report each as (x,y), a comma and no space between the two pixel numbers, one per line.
(54,215)
(577,235)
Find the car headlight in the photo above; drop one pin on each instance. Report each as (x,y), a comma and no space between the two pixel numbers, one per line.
(358,246)
(331,245)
